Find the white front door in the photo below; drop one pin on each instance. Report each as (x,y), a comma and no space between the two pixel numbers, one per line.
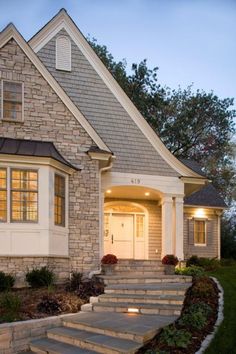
(120,239)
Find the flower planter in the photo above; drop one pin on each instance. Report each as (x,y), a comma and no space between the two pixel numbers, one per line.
(169,269)
(108,269)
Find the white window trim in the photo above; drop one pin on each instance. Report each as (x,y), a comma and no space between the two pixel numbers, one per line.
(9,200)
(205,243)
(23,104)
(69,53)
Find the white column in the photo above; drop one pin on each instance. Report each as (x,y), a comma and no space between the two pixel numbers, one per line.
(179,228)
(167,225)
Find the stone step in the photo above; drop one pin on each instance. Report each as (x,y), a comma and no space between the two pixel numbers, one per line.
(138,262)
(137,327)
(148,268)
(51,346)
(142,298)
(148,273)
(143,308)
(148,289)
(100,343)
(143,279)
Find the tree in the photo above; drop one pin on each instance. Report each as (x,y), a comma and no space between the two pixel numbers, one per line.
(192,124)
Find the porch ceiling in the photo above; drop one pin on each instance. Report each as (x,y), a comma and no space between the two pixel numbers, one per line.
(133,192)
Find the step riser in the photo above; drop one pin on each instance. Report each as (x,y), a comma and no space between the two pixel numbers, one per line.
(35,349)
(116,334)
(130,262)
(137,273)
(144,281)
(83,344)
(145,292)
(146,311)
(143,300)
(139,268)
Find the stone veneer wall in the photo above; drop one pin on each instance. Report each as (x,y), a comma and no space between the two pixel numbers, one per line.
(154,227)
(46,118)
(19,266)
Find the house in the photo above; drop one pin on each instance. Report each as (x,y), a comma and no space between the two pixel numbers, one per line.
(81,172)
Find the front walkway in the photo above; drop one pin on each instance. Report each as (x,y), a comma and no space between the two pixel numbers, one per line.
(135,306)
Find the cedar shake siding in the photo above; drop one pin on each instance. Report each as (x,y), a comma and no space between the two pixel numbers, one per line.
(211,248)
(46,118)
(134,152)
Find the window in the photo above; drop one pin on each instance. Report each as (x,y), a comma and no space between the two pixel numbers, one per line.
(200,232)
(139,226)
(59,200)
(63,53)
(12,100)
(3,194)
(24,195)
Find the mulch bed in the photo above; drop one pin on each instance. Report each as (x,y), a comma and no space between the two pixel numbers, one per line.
(68,302)
(156,346)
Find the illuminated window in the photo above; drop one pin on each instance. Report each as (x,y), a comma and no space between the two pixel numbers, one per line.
(24,195)
(59,200)
(139,226)
(3,194)
(199,232)
(106,224)
(12,100)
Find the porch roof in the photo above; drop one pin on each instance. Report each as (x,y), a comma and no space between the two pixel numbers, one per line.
(207,196)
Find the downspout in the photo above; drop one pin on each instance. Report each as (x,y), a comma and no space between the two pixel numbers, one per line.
(101,170)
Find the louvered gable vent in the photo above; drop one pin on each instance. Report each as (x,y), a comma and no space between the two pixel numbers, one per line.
(63,53)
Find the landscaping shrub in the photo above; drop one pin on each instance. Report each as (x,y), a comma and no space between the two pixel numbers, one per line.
(192,270)
(203,288)
(109,259)
(193,261)
(170,259)
(228,262)
(42,277)
(208,264)
(90,287)
(176,338)
(49,305)
(10,305)
(75,281)
(195,316)
(6,281)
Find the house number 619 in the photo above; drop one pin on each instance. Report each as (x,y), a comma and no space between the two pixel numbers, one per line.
(135,181)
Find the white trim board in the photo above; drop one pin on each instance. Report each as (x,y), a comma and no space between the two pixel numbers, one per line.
(63,21)
(11,32)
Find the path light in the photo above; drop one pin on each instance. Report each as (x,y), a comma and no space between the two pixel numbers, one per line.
(133,310)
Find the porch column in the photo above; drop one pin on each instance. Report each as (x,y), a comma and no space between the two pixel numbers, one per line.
(167,226)
(179,228)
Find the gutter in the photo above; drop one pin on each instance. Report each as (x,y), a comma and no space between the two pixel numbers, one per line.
(101,170)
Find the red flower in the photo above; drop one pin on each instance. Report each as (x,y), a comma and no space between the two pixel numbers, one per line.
(109,259)
(170,259)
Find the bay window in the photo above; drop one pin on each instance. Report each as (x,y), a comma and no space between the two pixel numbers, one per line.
(3,194)
(59,200)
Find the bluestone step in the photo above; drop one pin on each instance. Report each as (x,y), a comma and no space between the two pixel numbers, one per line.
(100,343)
(136,327)
(144,279)
(154,309)
(149,289)
(143,298)
(51,346)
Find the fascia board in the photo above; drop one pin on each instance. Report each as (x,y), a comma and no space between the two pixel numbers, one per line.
(62,20)
(11,32)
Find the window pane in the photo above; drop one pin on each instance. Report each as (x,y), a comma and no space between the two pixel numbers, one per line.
(12,100)
(3,195)
(59,200)
(199,232)
(24,195)
(139,225)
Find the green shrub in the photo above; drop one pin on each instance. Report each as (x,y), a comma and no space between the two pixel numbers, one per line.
(228,262)
(193,261)
(192,270)
(202,307)
(173,337)
(193,319)
(42,277)
(75,281)
(203,288)
(6,281)
(10,305)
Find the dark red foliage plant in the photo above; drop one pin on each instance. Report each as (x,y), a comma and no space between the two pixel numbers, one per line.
(109,259)
(170,259)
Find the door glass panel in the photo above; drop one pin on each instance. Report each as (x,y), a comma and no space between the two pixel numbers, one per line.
(139,226)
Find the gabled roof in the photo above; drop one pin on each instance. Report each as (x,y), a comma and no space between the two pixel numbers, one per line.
(208,196)
(63,21)
(10,32)
(35,148)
